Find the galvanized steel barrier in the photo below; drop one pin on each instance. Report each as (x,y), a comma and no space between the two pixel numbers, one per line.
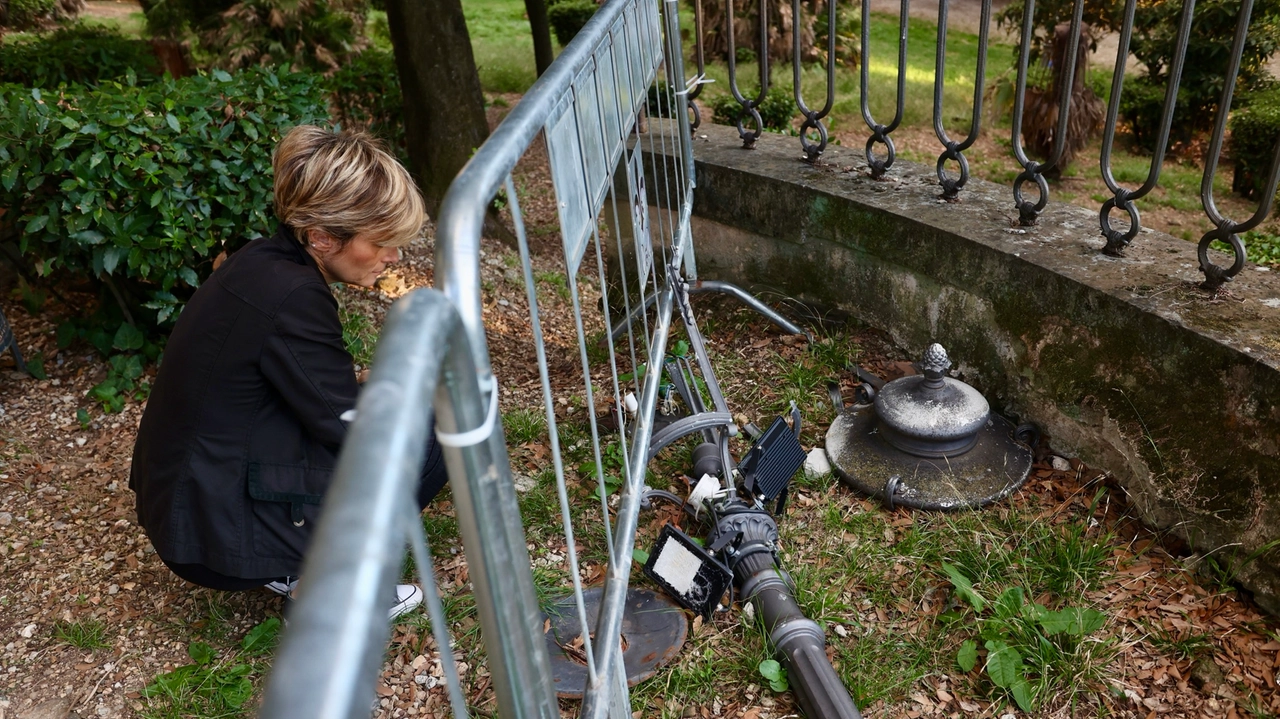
(599,108)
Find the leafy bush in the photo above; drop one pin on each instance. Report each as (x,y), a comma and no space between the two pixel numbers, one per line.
(139,185)
(776,111)
(568,16)
(24,14)
(365,95)
(171,18)
(1208,52)
(1025,641)
(1254,133)
(76,54)
(1142,104)
(1261,248)
(316,35)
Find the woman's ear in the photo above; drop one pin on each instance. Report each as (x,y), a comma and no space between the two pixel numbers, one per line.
(322,242)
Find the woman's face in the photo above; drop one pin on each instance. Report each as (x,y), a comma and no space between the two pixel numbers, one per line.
(359,262)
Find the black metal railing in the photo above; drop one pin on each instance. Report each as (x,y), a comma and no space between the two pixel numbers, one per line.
(1030,203)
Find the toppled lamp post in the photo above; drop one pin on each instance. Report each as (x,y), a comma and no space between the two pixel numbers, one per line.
(928,442)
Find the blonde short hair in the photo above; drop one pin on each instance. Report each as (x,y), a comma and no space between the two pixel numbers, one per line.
(344,184)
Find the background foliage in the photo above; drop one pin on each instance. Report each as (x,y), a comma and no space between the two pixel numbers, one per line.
(1255,130)
(365,95)
(76,53)
(568,16)
(145,183)
(1208,52)
(310,34)
(26,14)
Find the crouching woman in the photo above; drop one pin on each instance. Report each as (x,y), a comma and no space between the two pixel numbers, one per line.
(240,436)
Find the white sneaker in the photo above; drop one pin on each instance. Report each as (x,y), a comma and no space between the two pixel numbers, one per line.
(408,597)
(284,588)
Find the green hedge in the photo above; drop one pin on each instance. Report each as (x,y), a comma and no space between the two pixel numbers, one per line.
(76,54)
(1254,133)
(365,94)
(1142,107)
(777,110)
(24,14)
(1204,72)
(567,17)
(145,183)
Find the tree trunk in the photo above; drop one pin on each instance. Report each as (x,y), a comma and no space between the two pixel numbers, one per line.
(444,116)
(1040,119)
(541,27)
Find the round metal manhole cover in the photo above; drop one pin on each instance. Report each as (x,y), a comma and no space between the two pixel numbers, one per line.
(653,631)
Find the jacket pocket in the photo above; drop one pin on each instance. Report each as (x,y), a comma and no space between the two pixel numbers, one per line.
(286,506)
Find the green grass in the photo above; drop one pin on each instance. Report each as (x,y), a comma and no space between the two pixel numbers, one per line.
(84,634)
(358,334)
(524,425)
(882,74)
(856,563)
(441,527)
(217,682)
(557,281)
(1185,645)
(502,44)
(133,25)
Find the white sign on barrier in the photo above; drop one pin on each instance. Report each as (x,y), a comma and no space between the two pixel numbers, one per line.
(640,216)
(565,154)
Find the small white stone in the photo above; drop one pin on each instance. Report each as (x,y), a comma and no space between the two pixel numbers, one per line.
(749,611)
(504,303)
(817,464)
(5,519)
(523,483)
(421,678)
(80,441)
(1061,465)
(841,631)
(28,631)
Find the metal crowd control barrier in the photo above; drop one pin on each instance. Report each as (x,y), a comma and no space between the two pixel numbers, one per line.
(599,107)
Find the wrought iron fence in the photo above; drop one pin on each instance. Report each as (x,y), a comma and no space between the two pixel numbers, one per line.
(1029,204)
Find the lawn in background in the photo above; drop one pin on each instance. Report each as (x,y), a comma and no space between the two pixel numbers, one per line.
(502,43)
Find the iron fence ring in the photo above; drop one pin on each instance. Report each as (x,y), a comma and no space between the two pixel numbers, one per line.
(1216,276)
(879,167)
(1116,240)
(749,138)
(811,150)
(951,186)
(1029,211)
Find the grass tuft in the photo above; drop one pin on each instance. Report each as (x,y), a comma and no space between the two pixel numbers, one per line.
(524,425)
(87,634)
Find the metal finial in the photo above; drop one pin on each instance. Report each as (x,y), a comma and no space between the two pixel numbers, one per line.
(935,363)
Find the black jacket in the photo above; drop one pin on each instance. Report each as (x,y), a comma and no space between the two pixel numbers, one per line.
(241,432)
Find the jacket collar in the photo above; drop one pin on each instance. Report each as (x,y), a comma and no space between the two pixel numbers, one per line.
(287,239)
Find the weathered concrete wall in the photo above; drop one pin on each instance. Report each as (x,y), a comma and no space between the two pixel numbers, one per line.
(1124,362)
